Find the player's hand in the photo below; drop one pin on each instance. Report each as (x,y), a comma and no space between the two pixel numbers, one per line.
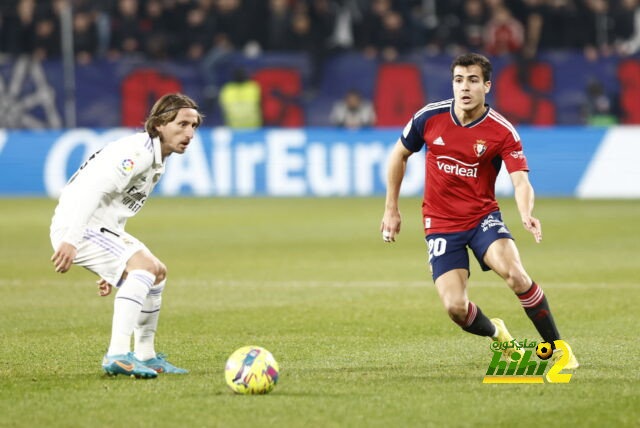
(390,225)
(104,288)
(533,225)
(63,257)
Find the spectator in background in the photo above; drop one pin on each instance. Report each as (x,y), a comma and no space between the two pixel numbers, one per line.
(85,37)
(626,30)
(198,33)
(503,34)
(300,38)
(353,111)
(154,23)
(383,31)
(566,25)
(597,26)
(46,40)
(228,37)
(372,26)
(230,25)
(472,23)
(276,37)
(20,28)
(532,16)
(256,14)
(599,109)
(211,29)
(423,23)
(101,10)
(323,15)
(392,40)
(126,35)
(561,27)
(436,24)
(240,101)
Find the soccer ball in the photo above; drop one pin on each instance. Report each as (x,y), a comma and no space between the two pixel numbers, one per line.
(251,370)
(544,350)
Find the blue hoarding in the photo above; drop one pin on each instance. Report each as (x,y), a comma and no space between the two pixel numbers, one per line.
(320,162)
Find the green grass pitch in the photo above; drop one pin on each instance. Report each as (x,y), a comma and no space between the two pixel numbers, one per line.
(356,325)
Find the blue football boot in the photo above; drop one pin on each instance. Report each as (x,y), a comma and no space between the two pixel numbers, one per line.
(126,364)
(161,365)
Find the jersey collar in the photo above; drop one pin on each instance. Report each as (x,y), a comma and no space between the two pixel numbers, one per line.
(157,152)
(468,125)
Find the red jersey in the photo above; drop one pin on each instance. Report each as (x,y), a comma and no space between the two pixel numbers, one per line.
(462,164)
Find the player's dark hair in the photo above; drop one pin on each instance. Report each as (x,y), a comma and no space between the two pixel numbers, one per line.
(166,109)
(469,59)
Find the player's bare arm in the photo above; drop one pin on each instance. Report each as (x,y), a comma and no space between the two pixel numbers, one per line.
(391,220)
(524,196)
(63,257)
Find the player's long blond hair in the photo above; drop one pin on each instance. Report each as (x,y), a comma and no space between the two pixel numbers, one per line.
(166,109)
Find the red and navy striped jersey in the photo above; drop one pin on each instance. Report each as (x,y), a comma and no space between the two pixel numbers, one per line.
(462,164)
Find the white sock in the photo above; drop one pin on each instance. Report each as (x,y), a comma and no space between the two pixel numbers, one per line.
(145,330)
(126,309)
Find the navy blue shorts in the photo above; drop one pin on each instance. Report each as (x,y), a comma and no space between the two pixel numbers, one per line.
(448,251)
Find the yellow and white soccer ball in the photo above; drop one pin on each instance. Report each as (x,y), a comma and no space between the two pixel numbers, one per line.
(251,370)
(544,350)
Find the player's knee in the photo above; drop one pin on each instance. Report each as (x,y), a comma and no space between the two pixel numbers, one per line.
(157,268)
(457,309)
(161,274)
(518,280)
(150,264)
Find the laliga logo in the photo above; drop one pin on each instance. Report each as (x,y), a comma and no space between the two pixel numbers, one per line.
(127,165)
(522,370)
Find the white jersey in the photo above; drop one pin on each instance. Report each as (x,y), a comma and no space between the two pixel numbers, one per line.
(111,186)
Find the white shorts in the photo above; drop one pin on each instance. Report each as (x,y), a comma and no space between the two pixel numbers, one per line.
(103,252)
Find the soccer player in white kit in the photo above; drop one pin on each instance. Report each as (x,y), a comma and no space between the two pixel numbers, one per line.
(87,229)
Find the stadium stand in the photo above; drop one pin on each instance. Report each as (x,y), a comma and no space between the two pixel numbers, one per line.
(308,53)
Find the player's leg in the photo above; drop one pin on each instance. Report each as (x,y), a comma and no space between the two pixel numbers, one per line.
(106,253)
(503,258)
(145,327)
(489,230)
(452,289)
(147,322)
(449,264)
(141,272)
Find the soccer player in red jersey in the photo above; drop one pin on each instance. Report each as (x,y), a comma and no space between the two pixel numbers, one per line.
(466,143)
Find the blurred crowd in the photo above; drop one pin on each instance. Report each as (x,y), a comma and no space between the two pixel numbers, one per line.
(193,29)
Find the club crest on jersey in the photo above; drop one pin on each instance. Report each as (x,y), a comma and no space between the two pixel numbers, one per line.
(127,165)
(479,147)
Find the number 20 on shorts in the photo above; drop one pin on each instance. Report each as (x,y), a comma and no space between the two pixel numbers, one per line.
(437,247)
